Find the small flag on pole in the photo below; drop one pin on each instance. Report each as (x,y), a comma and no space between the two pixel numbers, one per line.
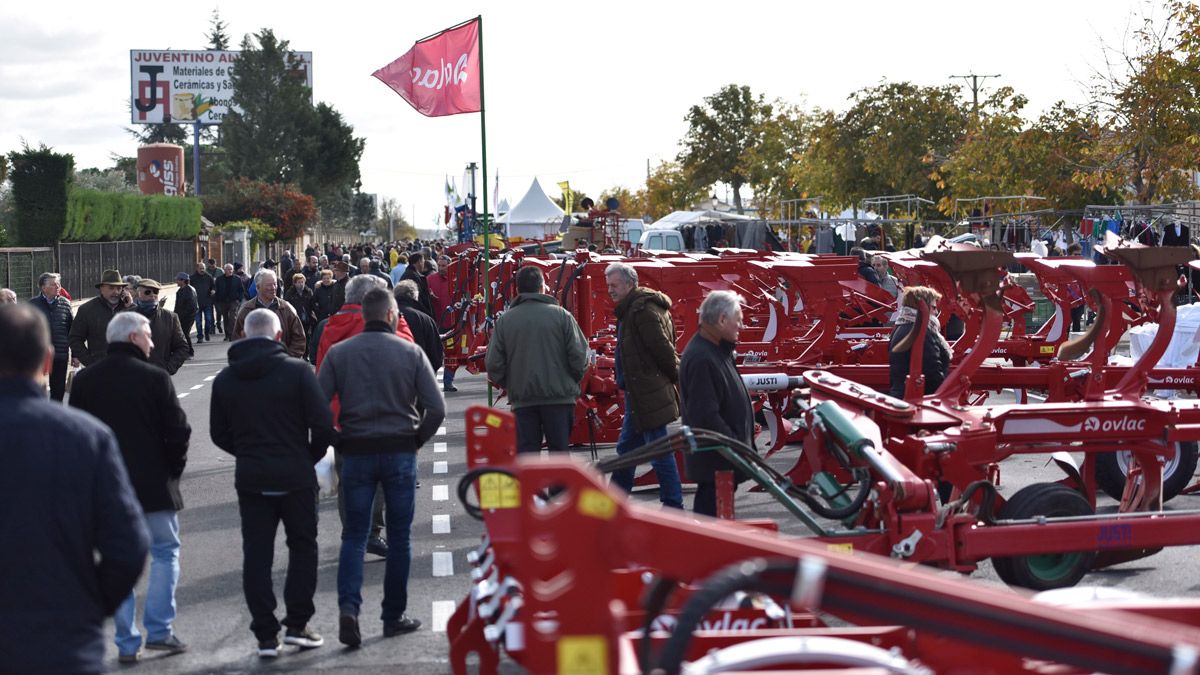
(440,74)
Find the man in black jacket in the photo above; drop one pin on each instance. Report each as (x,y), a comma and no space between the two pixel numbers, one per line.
(153,435)
(414,272)
(228,294)
(205,287)
(58,313)
(187,307)
(424,329)
(267,410)
(170,347)
(713,395)
(72,538)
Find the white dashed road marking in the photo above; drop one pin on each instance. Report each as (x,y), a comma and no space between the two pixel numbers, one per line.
(441,467)
(442,609)
(198,386)
(182,395)
(439,447)
(441,523)
(210,378)
(441,431)
(443,564)
(441,493)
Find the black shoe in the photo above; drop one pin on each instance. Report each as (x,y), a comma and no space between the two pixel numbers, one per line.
(404,624)
(449,388)
(269,648)
(377,546)
(172,644)
(304,638)
(348,630)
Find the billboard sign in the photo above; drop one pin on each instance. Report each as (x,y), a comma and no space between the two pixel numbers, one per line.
(185,86)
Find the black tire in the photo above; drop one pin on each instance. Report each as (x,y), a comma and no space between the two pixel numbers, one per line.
(1111,471)
(1046,571)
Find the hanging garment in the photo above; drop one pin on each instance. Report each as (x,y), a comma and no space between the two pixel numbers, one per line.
(1176,234)
(1144,234)
(825,240)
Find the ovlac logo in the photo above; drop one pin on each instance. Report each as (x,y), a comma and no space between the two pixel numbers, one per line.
(667,623)
(1123,424)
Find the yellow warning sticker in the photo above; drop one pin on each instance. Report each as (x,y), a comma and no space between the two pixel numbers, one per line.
(596,504)
(497,491)
(583,654)
(1047,349)
(450,343)
(840,548)
(493,421)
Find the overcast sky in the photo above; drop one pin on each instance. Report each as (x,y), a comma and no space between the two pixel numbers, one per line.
(586,92)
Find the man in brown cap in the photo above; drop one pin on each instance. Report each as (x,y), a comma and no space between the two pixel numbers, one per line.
(170,346)
(88,343)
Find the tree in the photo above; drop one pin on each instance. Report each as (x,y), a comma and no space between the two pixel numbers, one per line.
(284,207)
(104,180)
(630,204)
(391,216)
(783,138)
(328,154)
(218,37)
(720,133)
(670,188)
(1148,97)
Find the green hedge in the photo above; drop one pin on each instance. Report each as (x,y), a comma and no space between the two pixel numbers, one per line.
(109,216)
(40,181)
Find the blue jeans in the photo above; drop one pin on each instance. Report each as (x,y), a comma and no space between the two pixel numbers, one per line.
(670,492)
(397,474)
(160,589)
(447,376)
(204,322)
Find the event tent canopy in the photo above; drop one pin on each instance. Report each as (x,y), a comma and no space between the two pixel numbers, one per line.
(534,217)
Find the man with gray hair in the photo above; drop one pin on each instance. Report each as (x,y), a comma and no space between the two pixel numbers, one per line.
(7,296)
(343,325)
(390,407)
(713,394)
(267,411)
(647,370)
(266,286)
(58,313)
(423,327)
(153,434)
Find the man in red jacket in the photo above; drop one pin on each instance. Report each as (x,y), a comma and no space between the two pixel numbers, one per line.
(343,325)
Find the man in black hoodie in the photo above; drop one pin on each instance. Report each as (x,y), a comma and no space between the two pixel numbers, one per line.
(276,442)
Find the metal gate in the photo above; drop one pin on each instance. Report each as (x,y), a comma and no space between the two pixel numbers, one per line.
(21,267)
(81,264)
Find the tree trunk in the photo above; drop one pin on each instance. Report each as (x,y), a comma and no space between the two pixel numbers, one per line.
(737,197)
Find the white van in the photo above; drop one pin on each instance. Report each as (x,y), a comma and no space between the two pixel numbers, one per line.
(661,240)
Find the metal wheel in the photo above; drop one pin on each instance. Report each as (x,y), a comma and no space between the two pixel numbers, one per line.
(1049,570)
(1113,467)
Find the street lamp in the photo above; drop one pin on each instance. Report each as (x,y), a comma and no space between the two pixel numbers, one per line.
(715,201)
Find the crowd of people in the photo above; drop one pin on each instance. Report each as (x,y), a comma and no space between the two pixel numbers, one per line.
(322,373)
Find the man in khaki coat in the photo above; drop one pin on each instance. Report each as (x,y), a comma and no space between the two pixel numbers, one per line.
(266,285)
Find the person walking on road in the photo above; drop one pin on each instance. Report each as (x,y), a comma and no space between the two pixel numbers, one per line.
(228,294)
(152,433)
(538,355)
(648,372)
(268,412)
(424,329)
(206,287)
(72,538)
(714,396)
(266,296)
(187,307)
(58,314)
(170,346)
(87,330)
(390,407)
(415,272)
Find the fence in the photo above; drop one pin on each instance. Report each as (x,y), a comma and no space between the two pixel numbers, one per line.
(82,264)
(21,267)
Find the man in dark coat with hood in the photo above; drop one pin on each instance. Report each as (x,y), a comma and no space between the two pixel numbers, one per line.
(714,396)
(153,435)
(647,371)
(268,411)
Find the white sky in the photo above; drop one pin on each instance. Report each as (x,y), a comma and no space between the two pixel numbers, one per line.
(586,93)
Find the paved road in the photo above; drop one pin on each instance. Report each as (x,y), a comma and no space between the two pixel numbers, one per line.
(212,614)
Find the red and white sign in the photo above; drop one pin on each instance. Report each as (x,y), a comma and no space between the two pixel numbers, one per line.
(440,74)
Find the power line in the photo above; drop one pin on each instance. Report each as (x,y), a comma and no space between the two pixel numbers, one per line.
(975,80)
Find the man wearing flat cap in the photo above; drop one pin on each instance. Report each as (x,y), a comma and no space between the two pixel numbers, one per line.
(341,276)
(87,331)
(170,346)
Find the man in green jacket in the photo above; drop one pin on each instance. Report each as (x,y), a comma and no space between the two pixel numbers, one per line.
(648,372)
(538,355)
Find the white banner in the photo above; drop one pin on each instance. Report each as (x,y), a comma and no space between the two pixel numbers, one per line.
(183,86)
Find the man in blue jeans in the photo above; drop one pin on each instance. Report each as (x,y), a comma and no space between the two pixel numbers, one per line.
(153,434)
(390,406)
(648,372)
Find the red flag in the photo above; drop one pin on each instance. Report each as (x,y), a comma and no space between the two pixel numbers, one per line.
(440,74)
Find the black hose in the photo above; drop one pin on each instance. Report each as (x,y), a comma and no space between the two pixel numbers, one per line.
(864,491)
(747,575)
(652,603)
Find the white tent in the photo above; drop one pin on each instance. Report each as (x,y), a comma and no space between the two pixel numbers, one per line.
(534,217)
(677,219)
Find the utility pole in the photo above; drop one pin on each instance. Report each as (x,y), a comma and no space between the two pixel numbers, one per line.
(975,80)
(470,217)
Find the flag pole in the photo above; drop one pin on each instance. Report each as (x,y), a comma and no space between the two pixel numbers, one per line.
(487,229)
